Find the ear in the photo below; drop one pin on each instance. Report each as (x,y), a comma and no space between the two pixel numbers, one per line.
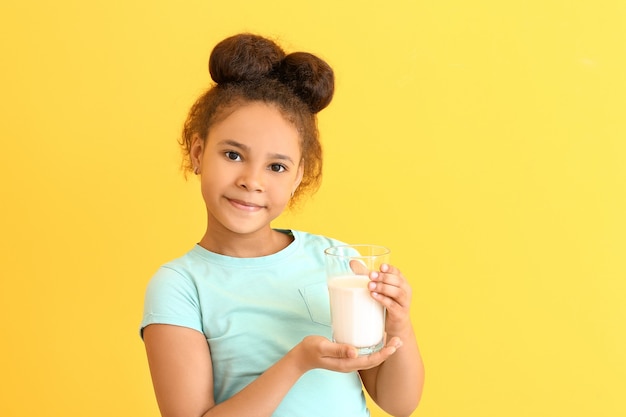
(299,176)
(196,151)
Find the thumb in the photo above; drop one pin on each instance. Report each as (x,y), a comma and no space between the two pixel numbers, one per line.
(341,350)
(358,267)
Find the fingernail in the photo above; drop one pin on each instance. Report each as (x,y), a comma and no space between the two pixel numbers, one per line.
(372,286)
(374,275)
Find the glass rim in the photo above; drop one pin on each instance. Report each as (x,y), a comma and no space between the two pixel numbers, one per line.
(336,250)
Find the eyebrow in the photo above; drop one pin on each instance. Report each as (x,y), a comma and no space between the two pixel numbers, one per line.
(246,148)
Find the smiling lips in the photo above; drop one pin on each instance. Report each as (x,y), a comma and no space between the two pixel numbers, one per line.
(244,205)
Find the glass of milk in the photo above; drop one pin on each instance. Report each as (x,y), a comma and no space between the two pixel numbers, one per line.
(357,319)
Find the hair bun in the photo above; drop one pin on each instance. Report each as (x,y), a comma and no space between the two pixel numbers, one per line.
(248,57)
(310,77)
(244,57)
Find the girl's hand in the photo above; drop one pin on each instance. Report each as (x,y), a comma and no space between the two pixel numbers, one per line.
(389,287)
(319,352)
(396,385)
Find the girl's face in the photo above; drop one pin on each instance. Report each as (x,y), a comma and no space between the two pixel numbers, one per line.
(250,164)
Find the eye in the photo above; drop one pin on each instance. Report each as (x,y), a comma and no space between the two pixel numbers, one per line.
(278,168)
(233,156)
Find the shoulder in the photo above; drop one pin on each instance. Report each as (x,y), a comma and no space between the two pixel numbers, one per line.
(177,275)
(315,241)
(172,297)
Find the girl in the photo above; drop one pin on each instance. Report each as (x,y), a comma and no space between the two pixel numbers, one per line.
(239,325)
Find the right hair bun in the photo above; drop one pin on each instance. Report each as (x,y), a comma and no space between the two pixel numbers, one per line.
(244,57)
(310,77)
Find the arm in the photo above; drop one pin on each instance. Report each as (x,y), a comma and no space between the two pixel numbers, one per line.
(396,384)
(182,372)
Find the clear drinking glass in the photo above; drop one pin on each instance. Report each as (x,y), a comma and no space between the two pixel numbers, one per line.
(357,319)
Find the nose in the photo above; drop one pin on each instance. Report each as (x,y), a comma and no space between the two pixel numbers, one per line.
(251,179)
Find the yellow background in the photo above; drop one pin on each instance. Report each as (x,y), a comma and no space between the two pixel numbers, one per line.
(483,141)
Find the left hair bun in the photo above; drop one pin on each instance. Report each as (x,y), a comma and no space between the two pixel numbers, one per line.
(244,57)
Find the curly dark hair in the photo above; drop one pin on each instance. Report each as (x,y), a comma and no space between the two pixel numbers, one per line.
(247,68)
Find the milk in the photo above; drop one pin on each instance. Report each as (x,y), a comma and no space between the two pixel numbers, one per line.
(357,318)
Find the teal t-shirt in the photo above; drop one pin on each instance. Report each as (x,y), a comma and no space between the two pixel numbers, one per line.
(252,312)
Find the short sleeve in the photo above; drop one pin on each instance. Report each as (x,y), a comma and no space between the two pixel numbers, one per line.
(171,298)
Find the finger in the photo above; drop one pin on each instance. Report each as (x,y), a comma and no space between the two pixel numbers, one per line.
(390,269)
(395,342)
(396,291)
(338,350)
(382,355)
(388,279)
(393,305)
(355,362)
(389,274)
(358,267)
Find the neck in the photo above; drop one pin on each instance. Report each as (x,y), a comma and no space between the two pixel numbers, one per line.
(253,245)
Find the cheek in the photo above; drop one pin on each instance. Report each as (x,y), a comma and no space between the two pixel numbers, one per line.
(209,184)
(282,192)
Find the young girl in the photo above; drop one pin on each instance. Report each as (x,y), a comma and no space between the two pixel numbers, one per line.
(239,325)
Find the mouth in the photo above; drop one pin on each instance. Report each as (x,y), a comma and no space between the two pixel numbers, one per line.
(245,205)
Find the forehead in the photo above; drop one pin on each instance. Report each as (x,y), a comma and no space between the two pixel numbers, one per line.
(237,103)
(256,123)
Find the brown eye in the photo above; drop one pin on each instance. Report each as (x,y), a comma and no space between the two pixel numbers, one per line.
(278,168)
(233,156)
